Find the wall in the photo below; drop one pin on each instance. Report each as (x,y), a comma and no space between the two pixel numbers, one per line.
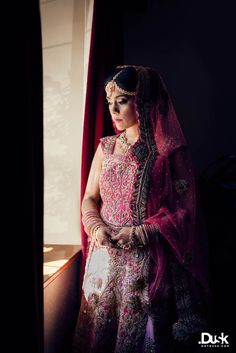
(61,305)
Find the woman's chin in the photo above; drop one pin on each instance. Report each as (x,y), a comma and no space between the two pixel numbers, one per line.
(120,126)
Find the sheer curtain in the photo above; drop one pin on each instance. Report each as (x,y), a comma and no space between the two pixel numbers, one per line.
(66,30)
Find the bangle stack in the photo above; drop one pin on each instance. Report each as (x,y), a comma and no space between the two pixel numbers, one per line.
(146,232)
(91,221)
(95,232)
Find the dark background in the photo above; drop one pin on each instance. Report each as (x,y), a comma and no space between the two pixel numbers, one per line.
(191,44)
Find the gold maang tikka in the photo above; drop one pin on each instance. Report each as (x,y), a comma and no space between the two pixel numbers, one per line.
(112,85)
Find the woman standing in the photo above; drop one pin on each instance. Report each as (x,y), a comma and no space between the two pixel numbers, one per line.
(144,281)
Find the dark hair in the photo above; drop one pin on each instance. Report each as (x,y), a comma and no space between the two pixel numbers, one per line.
(127,79)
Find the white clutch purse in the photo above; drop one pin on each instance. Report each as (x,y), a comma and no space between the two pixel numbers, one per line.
(96,271)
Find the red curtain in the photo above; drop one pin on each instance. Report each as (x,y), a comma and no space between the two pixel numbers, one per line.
(105,53)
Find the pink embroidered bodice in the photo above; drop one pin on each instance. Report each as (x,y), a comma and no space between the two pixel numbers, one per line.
(116,184)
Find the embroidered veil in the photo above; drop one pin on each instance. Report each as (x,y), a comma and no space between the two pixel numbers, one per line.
(165,188)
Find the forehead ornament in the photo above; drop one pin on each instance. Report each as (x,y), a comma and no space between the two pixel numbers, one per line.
(112,85)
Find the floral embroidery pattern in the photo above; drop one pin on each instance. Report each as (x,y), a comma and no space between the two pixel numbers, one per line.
(115,320)
(181,185)
(189,321)
(116,186)
(149,346)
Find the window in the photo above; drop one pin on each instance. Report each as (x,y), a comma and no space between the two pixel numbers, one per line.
(66,30)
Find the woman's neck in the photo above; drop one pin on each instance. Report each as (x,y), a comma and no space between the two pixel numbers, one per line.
(132,133)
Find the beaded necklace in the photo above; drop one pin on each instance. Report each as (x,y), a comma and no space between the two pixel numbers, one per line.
(123,142)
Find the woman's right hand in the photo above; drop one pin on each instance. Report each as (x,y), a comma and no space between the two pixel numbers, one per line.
(103,236)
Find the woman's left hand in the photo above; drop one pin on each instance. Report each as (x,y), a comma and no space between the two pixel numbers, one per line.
(123,237)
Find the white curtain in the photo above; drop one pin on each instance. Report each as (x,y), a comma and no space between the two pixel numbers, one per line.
(66,32)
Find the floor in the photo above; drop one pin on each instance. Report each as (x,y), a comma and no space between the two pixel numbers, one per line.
(56,256)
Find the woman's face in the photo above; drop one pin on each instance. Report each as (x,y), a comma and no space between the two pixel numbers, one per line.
(122,109)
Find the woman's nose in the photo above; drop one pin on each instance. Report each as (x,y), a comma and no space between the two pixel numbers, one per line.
(114,108)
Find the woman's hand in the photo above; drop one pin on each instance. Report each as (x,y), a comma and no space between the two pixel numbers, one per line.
(103,236)
(123,237)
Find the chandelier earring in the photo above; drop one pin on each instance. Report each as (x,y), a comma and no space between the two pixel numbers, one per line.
(138,120)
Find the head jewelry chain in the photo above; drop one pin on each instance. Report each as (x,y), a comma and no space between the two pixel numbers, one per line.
(112,85)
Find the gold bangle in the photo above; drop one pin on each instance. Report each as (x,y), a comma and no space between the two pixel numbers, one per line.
(95,232)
